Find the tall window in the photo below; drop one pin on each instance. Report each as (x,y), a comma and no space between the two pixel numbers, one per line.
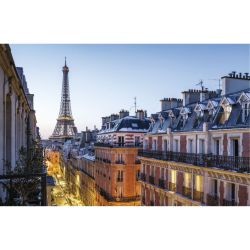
(173,176)
(217,147)
(152,170)
(121,140)
(137,175)
(235,147)
(165,145)
(120,176)
(154,144)
(176,145)
(190,144)
(245,111)
(201,146)
(162,173)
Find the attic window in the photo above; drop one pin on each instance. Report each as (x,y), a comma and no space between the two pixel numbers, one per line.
(225,114)
(245,111)
(134,125)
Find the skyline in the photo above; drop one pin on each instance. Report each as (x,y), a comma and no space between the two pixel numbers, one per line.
(96,70)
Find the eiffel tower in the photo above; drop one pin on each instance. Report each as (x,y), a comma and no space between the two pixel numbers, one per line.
(65,128)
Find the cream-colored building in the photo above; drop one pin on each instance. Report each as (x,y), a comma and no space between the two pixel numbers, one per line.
(17,114)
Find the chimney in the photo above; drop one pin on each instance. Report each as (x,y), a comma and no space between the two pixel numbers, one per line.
(190,96)
(114,117)
(165,104)
(140,114)
(123,113)
(237,82)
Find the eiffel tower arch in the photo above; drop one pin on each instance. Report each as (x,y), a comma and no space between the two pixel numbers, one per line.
(65,128)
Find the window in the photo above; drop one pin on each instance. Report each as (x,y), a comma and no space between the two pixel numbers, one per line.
(245,111)
(165,145)
(187,180)
(137,140)
(162,173)
(190,144)
(235,147)
(154,144)
(120,176)
(121,140)
(231,192)
(201,146)
(176,145)
(152,170)
(173,176)
(217,147)
(137,175)
(214,187)
(225,114)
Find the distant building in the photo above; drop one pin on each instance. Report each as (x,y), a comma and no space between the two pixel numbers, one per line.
(116,167)
(198,153)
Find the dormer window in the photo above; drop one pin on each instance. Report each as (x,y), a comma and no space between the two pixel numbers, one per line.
(226,105)
(245,111)
(225,114)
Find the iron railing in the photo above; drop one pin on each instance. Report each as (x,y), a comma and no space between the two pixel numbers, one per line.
(162,183)
(118,145)
(172,186)
(110,198)
(187,192)
(232,163)
(151,180)
(212,200)
(198,196)
(143,177)
(229,203)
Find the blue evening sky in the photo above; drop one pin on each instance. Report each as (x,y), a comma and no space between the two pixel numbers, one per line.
(105,78)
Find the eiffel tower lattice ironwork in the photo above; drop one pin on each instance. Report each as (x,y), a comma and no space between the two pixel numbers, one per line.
(65,128)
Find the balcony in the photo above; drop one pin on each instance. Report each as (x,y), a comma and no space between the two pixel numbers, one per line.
(143,200)
(172,186)
(229,203)
(120,162)
(151,180)
(119,180)
(187,192)
(162,183)
(198,196)
(137,162)
(143,177)
(110,198)
(231,163)
(118,145)
(212,200)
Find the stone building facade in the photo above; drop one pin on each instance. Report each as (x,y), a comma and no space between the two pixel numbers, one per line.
(199,153)
(17,114)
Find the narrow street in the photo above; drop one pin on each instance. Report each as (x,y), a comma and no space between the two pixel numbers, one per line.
(61,195)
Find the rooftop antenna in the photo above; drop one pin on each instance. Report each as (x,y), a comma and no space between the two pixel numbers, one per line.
(201,84)
(65,61)
(135,104)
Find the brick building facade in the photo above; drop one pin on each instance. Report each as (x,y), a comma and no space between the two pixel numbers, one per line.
(198,154)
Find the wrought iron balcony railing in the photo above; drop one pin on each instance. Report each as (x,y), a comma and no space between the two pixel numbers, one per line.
(198,196)
(212,200)
(172,186)
(143,200)
(120,162)
(110,198)
(186,192)
(137,161)
(162,183)
(229,203)
(151,180)
(118,145)
(239,164)
(143,177)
